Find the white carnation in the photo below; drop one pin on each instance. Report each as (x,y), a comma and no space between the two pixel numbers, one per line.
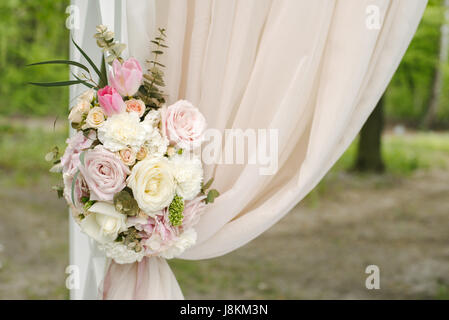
(120,253)
(153,118)
(188,174)
(124,130)
(156,144)
(184,241)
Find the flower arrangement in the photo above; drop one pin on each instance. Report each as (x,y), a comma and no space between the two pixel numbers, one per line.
(130,175)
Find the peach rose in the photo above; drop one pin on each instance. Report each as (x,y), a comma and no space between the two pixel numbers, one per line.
(142,153)
(135,105)
(128,156)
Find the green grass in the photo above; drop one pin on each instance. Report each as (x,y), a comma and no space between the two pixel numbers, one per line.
(23,150)
(404,154)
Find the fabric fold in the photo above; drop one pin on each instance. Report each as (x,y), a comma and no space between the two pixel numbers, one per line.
(150,279)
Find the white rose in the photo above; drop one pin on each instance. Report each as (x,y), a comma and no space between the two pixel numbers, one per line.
(153,184)
(103,223)
(87,95)
(188,174)
(77,112)
(123,130)
(184,241)
(95,118)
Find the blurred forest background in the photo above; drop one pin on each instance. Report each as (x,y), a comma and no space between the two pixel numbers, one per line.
(395,217)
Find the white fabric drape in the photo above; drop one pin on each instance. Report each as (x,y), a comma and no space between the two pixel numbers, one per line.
(314,70)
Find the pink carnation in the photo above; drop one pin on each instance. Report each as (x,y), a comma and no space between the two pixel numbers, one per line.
(192,212)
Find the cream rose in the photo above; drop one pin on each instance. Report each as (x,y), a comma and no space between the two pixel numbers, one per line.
(135,105)
(153,184)
(87,95)
(127,156)
(95,118)
(78,111)
(103,223)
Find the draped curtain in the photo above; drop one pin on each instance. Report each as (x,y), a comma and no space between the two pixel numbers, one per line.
(313,70)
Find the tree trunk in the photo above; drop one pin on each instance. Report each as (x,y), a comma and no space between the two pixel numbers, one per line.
(369,154)
(437,84)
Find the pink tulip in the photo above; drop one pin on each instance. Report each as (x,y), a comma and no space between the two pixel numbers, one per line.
(110,101)
(127,77)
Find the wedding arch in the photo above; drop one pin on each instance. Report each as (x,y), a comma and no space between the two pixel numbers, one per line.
(314,70)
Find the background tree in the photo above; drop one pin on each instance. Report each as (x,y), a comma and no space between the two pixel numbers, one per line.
(369,152)
(437,84)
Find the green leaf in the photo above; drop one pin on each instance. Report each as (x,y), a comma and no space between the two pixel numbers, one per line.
(56,84)
(211,195)
(69,62)
(208,184)
(104,77)
(157,52)
(73,186)
(82,157)
(59,190)
(89,60)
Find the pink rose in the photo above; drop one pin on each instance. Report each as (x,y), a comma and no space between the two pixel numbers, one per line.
(183,124)
(127,77)
(80,189)
(104,172)
(110,101)
(192,212)
(75,145)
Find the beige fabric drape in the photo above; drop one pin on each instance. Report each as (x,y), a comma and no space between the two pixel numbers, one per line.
(313,70)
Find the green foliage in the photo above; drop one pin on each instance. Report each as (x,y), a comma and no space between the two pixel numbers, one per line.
(404,154)
(408,94)
(125,203)
(23,148)
(32,31)
(151,90)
